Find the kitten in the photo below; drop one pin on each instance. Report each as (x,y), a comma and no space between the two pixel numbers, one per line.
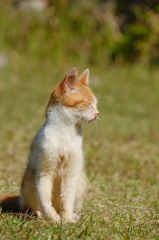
(54,182)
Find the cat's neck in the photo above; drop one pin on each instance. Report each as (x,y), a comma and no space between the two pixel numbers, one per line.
(61,117)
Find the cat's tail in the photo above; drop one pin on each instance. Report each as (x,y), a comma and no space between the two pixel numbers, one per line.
(10,203)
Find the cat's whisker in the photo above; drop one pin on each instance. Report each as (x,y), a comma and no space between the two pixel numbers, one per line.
(96,123)
(100,101)
(85,128)
(100,93)
(101,97)
(100,129)
(102,115)
(96,126)
(77,120)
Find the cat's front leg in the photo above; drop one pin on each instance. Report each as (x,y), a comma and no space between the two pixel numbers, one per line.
(44,190)
(68,189)
(68,199)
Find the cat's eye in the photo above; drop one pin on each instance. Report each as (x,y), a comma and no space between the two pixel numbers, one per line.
(86,103)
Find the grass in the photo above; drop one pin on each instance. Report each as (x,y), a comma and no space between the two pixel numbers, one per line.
(121,150)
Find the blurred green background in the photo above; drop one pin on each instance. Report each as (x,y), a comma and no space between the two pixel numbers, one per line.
(93,32)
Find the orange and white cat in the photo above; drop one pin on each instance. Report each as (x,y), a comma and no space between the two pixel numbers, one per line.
(54,182)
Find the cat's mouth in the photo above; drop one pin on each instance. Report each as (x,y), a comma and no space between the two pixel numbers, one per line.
(89,121)
(92,120)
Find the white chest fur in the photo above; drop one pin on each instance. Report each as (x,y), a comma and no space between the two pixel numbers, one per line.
(58,138)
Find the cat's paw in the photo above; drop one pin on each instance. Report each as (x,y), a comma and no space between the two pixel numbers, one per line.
(75,217)
(35,213)
(68,218)
(52,216)
(55,218)
(38,214)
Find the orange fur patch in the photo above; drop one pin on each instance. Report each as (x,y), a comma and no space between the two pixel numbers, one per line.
(82,92)
(77,92)
(28,176)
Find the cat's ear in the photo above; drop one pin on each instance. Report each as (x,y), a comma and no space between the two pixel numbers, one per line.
(67,84)
(84,77)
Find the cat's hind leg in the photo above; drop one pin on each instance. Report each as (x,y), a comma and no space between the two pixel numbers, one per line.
(28,195)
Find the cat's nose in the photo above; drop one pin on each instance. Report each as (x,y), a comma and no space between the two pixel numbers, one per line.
(96,114)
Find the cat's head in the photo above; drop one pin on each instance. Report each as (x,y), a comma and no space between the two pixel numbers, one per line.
(75,97)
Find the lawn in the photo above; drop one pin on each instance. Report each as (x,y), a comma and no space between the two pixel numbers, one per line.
(121,149)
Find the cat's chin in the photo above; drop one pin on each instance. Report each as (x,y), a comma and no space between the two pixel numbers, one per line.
(85,122)
(90,121)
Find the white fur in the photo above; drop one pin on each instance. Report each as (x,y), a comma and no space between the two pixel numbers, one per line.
(57,160)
